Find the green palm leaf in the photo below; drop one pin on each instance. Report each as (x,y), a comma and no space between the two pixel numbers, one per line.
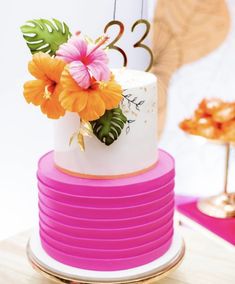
(109,127)
(44,35)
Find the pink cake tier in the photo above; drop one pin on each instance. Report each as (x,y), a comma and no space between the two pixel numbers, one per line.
(106,225)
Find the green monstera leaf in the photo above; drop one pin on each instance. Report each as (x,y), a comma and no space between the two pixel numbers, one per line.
(44,35)
(109,127)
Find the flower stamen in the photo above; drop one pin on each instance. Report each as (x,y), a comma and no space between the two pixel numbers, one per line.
(102,85)
(100,43)
(47,94)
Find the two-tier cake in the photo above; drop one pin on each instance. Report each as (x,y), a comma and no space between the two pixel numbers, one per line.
(106,192)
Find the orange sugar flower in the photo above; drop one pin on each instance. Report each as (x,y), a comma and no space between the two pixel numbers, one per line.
(89,103)
(45,90)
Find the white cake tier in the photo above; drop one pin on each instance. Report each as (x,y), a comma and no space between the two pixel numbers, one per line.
(136,148)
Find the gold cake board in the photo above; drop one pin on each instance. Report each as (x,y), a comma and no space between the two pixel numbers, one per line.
(48,267)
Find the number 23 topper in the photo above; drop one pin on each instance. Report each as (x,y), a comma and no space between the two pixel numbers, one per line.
(138,44)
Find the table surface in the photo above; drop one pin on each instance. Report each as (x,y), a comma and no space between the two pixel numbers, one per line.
(205,262)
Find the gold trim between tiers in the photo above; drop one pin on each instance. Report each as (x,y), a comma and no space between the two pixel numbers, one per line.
(88,176)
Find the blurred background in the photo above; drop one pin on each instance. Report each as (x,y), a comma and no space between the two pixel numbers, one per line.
(194,47)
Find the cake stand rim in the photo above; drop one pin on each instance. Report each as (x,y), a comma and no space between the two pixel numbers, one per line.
(160,273)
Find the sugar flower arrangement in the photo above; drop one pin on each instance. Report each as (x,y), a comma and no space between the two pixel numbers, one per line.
(213,119)
(71,74)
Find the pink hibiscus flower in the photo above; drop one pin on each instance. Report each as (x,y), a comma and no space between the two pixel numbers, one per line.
(85,61)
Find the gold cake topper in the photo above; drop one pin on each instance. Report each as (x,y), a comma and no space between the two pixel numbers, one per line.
(139,44)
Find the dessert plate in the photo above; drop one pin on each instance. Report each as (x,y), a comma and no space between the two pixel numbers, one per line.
(55,270)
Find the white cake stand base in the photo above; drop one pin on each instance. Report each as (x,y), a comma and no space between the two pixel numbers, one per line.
(148,273)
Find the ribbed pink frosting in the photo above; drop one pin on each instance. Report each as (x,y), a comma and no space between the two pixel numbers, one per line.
(106,225)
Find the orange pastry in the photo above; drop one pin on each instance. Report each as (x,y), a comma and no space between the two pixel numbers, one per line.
(207,128)
(225,113)
(188,125)
(228,129)
(209,106)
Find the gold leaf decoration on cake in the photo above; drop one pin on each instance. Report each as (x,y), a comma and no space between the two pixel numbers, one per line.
(81,142)
(84,131)
(185,31)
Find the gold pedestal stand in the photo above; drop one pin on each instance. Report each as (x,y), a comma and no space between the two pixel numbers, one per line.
(57,273)
(152,279)
(222,205)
